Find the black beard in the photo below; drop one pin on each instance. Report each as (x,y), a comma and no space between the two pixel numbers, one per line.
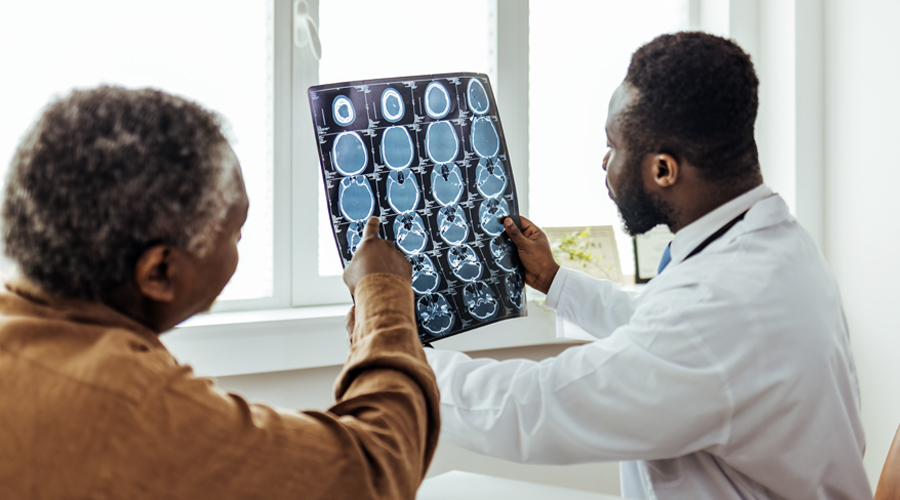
(640,210)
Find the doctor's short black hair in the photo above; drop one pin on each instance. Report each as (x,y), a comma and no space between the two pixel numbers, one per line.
(697,100)
(103,175)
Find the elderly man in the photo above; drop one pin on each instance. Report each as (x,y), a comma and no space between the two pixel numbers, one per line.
(730,376)
(123,211)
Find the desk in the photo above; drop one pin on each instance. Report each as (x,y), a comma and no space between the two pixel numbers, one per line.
(455,485)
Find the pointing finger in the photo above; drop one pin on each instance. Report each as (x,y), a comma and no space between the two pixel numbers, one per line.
(371,230)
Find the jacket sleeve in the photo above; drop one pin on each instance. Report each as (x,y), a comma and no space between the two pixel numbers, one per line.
(194,441)
(649,390)
(596,306)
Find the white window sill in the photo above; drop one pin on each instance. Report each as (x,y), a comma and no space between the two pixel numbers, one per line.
(237,343)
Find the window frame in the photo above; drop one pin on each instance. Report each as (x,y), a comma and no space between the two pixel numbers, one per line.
(296,280)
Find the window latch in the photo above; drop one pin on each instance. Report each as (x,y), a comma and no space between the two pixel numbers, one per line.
(305,31)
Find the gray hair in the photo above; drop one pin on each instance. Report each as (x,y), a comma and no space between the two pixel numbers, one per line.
(103,175)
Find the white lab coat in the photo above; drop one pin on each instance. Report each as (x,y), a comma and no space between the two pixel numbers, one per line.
(729,377)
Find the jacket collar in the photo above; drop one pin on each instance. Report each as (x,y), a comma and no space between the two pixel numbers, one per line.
(52,306)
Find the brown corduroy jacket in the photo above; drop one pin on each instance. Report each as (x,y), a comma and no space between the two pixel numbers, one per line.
(92,405)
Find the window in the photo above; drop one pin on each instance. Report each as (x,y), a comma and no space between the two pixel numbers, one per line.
(220,57)
(241,59)
(576,61)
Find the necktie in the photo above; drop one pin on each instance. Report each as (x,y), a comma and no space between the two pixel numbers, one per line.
(666,258)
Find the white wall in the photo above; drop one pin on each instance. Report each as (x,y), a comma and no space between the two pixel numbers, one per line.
(312,389)
(862,129)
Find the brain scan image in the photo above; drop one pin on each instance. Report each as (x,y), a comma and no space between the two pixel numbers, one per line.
(446,184)
(343,111)
(437,100)
(392,107)
(402,191)
(427,155)
(410,233)
(490,178)
(355,198)
(478,100)
(435,314)
(504,252)
(452,224)
(491,215)
(480,300)
(396,148)
(485,139)
(441,142)
(425,278)
(464,262)
(515,286)
(355,235)
(349,153)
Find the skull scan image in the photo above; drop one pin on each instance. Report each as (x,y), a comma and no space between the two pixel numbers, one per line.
(435,313)
(452,224)
(410,233)
(343,111)
(441,142)
(505,253)
(396,148)
(428,156)
(478,99)
(348,153)
(491,215)
(515,287)
(355,198)
(464,262)
(490,178)
(485,139)
(437,100)
(354,236)
(480,300)
(446,184)
(402,191)
(392,107)
(425,278)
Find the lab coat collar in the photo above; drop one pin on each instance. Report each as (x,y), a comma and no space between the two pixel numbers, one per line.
(692,235)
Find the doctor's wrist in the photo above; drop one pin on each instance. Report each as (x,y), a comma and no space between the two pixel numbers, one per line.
(544,281)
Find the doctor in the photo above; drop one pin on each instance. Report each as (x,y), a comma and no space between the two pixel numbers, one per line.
(730,376)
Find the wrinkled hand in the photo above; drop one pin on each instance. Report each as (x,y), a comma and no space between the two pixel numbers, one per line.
(534,252)
(375,256)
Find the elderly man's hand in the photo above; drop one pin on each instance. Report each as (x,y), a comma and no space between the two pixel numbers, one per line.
(375,256)
(534,252)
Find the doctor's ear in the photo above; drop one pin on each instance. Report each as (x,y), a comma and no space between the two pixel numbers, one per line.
(664,169)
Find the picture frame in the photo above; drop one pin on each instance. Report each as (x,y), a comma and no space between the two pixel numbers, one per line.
(590,249)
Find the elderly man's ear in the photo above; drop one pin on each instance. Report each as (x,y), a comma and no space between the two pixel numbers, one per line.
(156,272)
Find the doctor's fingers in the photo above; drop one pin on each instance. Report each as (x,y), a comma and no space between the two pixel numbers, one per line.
(527,227)
(515,234)
(530,239)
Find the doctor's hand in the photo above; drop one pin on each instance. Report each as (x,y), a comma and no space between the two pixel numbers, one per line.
(534,252)
(375,256)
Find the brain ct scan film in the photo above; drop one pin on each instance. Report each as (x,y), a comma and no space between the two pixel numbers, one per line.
(427,156)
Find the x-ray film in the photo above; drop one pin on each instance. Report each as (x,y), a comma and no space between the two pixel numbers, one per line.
(427,156)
